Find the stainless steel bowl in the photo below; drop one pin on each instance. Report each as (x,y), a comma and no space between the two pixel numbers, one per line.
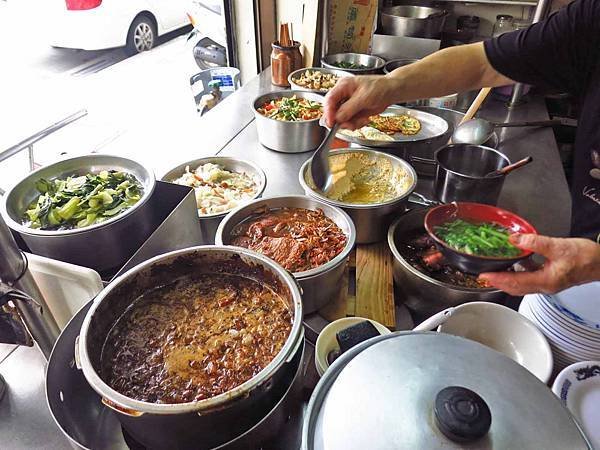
(461,170)
(296,73)
(102,246)
(413,21)
(372,63)
(394,64)
(288,137)
(321,284)
(371,220)
(423,294)
(210,222)
(198,424)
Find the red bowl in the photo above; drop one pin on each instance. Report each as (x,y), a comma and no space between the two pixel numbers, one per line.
(476,212)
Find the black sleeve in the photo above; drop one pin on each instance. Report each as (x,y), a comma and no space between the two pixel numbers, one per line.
(559,53)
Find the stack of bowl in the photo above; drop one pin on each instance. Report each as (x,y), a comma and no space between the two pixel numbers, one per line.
(570,320)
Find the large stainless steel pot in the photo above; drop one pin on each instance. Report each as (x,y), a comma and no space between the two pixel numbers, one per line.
(461,170)
(321,284)
(80,414)
(103,246)
(210,222)
(213,421)
(371,220)
(421,293)
(433,391)
(413,21)
(288,137)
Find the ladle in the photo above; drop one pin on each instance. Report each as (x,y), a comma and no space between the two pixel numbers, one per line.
(507,169)
(319,163)
(478,131)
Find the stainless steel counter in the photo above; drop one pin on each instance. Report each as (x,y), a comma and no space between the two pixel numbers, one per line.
(538,192)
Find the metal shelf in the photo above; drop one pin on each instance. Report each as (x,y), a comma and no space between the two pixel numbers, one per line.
(497,2)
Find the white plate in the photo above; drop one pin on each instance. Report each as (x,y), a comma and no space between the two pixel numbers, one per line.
(432,126)
(578,387)
(557,322)
(569,335)
(579,303)
(575,350)
(564,322)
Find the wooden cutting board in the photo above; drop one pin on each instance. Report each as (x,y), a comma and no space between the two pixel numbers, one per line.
(375,284)
(367,288)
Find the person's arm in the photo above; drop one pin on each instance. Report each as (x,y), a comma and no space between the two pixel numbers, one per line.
(569,262)
(454,69)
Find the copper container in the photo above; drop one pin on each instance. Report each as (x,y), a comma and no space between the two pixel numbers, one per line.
(284,60)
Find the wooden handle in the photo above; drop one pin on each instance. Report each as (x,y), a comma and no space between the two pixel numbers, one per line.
(516,165)
(483,93)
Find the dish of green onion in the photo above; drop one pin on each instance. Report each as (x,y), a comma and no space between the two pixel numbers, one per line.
(480,239)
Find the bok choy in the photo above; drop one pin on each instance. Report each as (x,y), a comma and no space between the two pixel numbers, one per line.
(81,201)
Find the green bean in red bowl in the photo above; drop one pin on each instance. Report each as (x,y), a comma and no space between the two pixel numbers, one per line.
(473,237)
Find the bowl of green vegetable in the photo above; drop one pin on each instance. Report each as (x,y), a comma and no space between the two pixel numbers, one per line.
(473,237)
(88,210)
(355,63)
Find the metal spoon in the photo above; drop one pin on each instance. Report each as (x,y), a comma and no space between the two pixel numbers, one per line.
(478,131)
(507,169)
(319,163)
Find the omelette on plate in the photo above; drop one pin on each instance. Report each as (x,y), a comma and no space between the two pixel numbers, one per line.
(404,124)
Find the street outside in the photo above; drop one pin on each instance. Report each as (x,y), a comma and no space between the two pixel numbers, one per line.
(40,85)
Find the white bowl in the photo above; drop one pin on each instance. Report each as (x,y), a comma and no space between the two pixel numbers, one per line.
(505,331)
(327,342)
(578,387)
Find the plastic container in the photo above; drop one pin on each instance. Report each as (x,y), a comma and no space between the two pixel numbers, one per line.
(504,24)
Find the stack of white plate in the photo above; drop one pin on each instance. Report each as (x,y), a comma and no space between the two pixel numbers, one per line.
(570,320)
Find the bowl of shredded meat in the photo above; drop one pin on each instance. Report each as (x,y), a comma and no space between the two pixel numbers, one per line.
(306,236)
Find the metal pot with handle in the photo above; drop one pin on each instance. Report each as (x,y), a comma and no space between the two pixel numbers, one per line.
(203,423)
(413,21)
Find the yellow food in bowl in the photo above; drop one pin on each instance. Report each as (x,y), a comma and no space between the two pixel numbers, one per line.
(359,178)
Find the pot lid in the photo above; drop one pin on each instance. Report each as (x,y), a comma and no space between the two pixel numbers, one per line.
(434,391)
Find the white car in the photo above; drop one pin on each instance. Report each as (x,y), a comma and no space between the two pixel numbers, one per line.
(101,24)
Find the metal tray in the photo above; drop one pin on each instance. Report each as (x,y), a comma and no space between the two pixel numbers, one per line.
(432,126)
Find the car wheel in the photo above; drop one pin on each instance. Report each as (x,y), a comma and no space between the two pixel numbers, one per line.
(141,36)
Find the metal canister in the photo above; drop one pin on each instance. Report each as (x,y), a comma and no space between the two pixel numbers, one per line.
(284,60)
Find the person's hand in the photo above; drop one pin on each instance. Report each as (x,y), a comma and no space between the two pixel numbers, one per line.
(354,99)
(569,262)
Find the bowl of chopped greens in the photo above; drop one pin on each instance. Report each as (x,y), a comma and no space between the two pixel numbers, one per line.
(473,237)
(84,210)
(288,121)
(356,63)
